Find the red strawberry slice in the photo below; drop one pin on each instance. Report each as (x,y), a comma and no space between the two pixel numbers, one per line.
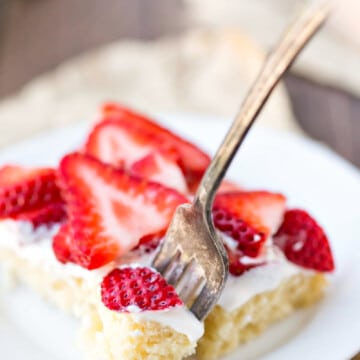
(120,143)
(45,215)
(261,210)
(248,218)
(22,189)
(149,243)
(237,263)
(62,244)
(162,169)
(125,288)
(193,161)
(248,239)
(118,112)
(304,241)
(109,210)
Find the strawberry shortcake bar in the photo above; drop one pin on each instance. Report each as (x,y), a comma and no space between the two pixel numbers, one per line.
(83,236)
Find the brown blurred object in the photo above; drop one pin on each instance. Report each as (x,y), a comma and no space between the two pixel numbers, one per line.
(37,35)
(327,114)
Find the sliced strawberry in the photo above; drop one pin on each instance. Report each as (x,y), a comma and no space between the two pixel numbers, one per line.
(248,218)
(149,243)
(125,288)
(237,263)
(22,189)
(261,210)
(62,244)
(121,143)
(118,112)
(304,241)
(109,210)
(193,161)
(248,239)
(161,169)
(45,215)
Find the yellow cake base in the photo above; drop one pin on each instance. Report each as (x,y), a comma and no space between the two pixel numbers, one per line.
(107,335)
(224,330)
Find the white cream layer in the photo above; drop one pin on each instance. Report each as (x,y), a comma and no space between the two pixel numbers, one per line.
(36,247)
(178,318)
(240,289)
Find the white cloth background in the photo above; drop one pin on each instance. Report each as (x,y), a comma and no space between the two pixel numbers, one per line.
(205,72)
(333,56)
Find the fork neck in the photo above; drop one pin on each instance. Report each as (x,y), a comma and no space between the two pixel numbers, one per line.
(214,174)
(277,63)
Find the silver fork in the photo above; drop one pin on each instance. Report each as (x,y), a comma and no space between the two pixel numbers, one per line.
(192,257)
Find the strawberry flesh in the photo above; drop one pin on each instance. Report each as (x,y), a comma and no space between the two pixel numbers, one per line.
(262,210)
(61,244)
(248,218)
(121,144)
(22,189)
(193,161)
(162,169)
(249,241)
(304,242)
(140,287)
(46,215)
(149,243)
(237,264)
(109,210)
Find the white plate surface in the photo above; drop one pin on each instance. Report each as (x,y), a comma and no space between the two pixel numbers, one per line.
(310,175)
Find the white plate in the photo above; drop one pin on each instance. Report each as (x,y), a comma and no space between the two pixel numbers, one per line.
(311,176)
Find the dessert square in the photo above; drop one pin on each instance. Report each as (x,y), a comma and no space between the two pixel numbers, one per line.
(83,235)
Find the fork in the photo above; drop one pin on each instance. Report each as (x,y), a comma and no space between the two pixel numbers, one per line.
(192,257)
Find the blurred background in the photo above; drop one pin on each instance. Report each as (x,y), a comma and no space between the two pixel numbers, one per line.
(142,52)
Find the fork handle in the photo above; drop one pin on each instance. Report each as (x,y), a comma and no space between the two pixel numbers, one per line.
(276,64)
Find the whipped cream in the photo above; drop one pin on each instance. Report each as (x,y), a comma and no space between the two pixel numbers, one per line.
(238,290)
(179,318)
(276,268)
(35,245)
